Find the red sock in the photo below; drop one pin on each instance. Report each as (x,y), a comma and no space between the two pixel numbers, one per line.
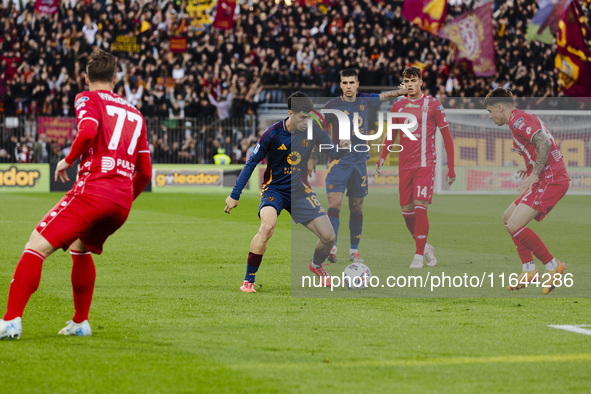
(421,228)
(523,252)
(409,219)
(533,243)
(24,283)
(83,276)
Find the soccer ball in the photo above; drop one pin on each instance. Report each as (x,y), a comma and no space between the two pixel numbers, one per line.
(357,276)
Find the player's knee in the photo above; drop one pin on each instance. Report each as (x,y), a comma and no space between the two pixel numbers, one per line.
(328,238)
(512,225)
(335,205)
(422,203)
(266,231)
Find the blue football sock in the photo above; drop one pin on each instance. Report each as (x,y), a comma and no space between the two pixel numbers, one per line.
(252,266)
(333,216)
(355,227)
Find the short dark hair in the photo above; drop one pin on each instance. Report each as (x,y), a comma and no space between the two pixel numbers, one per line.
(499,96)
(301,104)
(101,67)
(412,71)
(349,72)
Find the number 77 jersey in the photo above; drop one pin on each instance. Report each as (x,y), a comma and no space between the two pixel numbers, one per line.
(108,166)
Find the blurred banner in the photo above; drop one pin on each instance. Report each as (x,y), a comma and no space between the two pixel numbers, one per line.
(57,129)
(178,44)
(198,11)
(472,35)
(224,16)
(544,24)
(195,178)
(573,57)
(125,44)
(427,14)
(46,6)
(24,178)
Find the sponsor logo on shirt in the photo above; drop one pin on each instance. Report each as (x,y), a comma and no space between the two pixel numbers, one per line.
(517,123)
(294,158)
(81,100)
(107,164)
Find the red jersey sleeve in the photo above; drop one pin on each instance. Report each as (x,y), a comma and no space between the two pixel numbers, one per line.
(87,108)
(439,114)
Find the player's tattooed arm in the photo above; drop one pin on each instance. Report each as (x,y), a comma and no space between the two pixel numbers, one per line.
(542,143)
(401,91)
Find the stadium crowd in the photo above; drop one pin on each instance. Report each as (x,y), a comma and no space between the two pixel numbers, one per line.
(206,98)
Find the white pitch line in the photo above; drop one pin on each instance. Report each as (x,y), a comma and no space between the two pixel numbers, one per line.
(573,328)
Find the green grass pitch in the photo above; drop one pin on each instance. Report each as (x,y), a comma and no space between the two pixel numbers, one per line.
(167,315)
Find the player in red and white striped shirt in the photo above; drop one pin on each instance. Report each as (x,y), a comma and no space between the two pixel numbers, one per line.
(545,183)
(115,167)
(417,161)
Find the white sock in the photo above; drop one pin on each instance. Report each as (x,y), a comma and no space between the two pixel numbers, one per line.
(418,256)
(351,251)
(314,265)
(551,265)
(529,267)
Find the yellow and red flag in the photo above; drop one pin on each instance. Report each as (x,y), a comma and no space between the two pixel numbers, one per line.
(427,14)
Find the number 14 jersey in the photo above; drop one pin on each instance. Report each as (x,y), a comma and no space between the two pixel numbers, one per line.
(108,166)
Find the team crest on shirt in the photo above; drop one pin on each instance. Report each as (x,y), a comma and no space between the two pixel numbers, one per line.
(306,143)
(294,158)
(271,198)
(362,108)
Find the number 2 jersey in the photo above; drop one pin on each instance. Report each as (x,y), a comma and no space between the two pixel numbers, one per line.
(107,167)
(523,127)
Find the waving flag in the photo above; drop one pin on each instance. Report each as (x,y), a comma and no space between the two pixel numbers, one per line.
(224,16)
(472,35)
(573,57)
(544,24)
(427,14)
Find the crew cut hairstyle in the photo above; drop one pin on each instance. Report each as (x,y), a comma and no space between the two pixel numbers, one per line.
(499,96)
(412,71)
(101,67)
(349,72)
(299,102)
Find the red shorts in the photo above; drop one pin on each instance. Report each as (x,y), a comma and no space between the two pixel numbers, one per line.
(416,184)
(543,197)
(88,218)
